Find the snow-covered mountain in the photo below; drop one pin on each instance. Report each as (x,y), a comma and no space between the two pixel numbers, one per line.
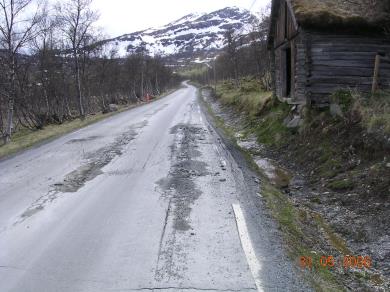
(192,37)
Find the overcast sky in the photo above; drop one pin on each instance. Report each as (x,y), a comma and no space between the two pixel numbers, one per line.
(118,17)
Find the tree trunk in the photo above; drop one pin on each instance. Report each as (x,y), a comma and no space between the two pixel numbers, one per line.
(78,87)
(11,101)
(237,83)
(142,84)
(10,117)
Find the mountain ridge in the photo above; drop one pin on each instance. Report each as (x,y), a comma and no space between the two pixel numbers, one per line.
(192,37)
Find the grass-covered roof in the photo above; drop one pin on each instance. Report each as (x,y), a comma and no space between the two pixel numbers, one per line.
(344,13)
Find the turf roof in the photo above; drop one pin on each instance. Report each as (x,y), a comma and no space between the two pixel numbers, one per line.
(343,13)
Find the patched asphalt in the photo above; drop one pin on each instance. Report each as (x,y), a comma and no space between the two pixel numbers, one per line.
(141,201)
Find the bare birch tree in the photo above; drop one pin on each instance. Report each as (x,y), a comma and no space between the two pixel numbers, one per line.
(231,43)
(17,27)
(76,19)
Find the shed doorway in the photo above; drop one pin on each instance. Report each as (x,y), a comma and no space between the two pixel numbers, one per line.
(288,72)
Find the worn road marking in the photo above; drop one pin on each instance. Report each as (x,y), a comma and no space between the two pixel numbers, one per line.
(247,246)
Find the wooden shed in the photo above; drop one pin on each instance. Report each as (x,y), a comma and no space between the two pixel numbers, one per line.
(320,46)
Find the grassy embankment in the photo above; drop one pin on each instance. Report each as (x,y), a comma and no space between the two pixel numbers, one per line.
(316,143)
(341,150)
(264,118)
(27,138)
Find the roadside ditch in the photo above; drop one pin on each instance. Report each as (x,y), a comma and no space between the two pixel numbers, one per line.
(309,218)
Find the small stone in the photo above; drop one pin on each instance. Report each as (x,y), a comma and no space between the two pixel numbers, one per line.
(388,165)
(113,108)
(295,122)
(192,233)
(222,180)
(335,110)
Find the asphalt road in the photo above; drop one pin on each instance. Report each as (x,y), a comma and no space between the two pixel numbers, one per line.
(141,201)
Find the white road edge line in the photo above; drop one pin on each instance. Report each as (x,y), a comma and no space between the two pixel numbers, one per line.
(247,246)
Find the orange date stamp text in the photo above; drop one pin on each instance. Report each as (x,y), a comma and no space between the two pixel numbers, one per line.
(325,261)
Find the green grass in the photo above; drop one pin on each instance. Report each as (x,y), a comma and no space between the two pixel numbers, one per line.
(264,116)
(271,129)
(341,185)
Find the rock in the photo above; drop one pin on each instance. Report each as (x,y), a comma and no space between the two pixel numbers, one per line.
(222,180)
(388,165)
(113,108)
(295,122)
(335,110)
(287,120)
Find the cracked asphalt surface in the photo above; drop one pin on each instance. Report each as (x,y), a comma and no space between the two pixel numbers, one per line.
(141,201)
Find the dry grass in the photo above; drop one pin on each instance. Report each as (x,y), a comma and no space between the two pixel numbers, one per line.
(248,97)
(375,113)
(26,138)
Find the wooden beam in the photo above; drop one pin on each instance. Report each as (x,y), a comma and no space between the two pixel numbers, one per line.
(291,10)
(376,74)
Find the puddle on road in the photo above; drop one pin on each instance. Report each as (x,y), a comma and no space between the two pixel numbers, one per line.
(267,167)
(277,175)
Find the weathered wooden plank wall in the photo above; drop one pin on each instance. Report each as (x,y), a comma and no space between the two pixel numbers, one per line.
(285,34)
(345,61)
(299,94)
